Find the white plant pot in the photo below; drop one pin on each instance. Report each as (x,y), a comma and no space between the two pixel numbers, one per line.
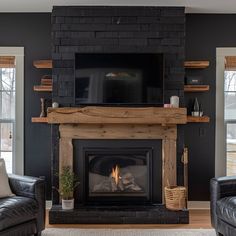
(68,204)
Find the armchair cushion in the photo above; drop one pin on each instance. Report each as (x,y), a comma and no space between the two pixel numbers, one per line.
(5,190)
(17,210)
(226,210)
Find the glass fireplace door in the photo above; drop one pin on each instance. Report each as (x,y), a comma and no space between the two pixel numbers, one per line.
(118,174)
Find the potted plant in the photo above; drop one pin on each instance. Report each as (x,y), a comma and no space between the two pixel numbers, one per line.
(68,181)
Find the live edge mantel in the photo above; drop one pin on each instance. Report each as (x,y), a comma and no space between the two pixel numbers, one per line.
(117,115)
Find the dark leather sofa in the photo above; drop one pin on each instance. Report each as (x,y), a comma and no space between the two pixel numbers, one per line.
(23,214)
(223,205)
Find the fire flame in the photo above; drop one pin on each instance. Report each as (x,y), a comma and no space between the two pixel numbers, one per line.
(116,174)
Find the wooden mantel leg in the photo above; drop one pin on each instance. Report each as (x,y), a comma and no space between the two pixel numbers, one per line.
(66,153)
(169,162)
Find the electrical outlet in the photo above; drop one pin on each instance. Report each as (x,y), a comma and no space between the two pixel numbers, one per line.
(202,132)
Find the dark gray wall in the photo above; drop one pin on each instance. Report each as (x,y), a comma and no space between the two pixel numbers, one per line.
(204,33)
(33,32)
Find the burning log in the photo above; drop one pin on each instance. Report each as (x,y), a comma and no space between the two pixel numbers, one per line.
(117,182)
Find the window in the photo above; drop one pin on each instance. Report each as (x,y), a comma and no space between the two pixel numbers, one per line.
(12,108)
(7,113)
(230,120)
(225,111)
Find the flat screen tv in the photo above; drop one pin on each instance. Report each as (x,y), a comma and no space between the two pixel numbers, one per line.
(119,79)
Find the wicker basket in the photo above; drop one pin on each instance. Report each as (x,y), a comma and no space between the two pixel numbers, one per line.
(175,198)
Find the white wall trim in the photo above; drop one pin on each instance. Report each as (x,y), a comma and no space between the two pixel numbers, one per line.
(220,135)
(18,52)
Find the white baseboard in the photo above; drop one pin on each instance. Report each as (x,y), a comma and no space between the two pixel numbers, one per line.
(192,205)
(198,205)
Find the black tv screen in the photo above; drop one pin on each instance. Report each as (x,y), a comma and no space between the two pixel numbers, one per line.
(119,79)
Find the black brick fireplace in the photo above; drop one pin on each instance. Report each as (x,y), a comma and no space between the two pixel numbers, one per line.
(117,30)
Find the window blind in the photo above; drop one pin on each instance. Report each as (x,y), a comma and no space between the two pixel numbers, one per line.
(230,63)
(7,62)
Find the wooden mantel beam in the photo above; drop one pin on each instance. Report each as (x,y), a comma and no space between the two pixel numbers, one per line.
(117,115)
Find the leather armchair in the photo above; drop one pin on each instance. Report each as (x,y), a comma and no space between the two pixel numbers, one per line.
(223,205)
(23,214)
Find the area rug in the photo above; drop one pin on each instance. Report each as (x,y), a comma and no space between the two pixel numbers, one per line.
(128,232)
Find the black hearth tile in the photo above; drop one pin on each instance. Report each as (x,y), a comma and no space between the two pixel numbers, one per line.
(101,215)
(118,213)
(142,214)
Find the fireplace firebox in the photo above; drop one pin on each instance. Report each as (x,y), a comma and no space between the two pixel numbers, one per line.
(114,172)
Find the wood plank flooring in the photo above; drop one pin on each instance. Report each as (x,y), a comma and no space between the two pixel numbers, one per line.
(198,219)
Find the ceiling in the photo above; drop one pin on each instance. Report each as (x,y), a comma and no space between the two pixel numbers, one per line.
(192,6)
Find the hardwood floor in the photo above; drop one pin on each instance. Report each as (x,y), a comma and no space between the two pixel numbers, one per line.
(198,219)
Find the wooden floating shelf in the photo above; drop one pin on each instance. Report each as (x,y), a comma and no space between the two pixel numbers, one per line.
(196,64)
(43,64)
(43,88)
(196,88)
(198,119)
(39,120)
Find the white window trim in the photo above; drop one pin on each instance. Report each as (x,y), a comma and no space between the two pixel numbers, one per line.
(18,52)
(220,133)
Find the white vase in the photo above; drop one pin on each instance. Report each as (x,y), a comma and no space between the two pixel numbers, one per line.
(68,204)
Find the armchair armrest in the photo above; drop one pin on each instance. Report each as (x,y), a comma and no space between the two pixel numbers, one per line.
(219,188)
(31,187)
